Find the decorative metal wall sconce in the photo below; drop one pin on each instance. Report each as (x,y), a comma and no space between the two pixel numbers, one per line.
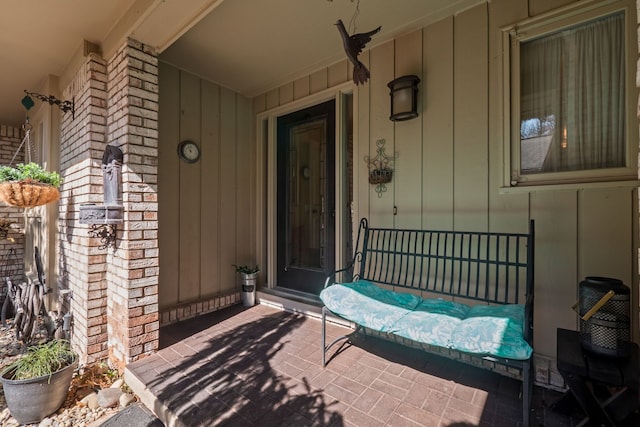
(380,168)
(65,106)
(105,218)
(107,233)
(404,98)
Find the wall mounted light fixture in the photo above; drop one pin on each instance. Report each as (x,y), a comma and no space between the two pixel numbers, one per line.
(404,98)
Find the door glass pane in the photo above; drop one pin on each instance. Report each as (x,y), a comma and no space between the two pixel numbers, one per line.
(306,198)
(307,181)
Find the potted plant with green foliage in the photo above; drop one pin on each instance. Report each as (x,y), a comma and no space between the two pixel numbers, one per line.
(28,185)
(248,277)
(36,385)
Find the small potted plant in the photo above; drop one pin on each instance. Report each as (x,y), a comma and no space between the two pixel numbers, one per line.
(28,185)
(248,277)
(37,384)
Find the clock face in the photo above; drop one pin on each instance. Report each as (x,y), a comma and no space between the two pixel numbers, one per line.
(189,151)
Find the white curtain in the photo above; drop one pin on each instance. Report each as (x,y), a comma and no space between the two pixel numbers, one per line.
(574,79)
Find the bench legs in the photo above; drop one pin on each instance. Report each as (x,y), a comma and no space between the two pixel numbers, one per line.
(326,347)
(527,374)
(324,337)
(527,391)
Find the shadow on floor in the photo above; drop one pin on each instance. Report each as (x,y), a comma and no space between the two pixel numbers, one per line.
(261,367)
(176,332)
(228,372)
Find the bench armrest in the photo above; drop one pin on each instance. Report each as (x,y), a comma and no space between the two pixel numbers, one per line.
(330,280)
(331,277)
(528,320)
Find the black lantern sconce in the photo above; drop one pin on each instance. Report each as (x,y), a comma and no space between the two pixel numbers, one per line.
(404,98)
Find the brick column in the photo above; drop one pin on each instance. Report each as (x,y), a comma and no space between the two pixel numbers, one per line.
(81,264)
(132,273)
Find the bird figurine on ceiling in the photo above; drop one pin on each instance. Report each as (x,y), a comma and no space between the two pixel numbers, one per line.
(353,46)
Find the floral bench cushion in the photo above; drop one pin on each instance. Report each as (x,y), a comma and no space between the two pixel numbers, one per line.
(368,305)
(433,322)
(495,330)
(482,329)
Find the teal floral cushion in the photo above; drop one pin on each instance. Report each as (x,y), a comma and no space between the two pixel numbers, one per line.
(367,304)
(493,330)
(433,322)
(482,329)
(443,306)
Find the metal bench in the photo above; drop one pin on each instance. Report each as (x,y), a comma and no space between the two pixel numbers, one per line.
(475,268)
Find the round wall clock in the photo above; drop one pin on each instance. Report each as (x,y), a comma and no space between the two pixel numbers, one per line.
(189,151)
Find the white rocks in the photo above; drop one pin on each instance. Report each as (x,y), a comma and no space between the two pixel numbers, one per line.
(126,399)
(91,400)
(6,420)
(109,397)
(117,383)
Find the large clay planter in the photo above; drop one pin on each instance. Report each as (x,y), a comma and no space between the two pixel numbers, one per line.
(30,401)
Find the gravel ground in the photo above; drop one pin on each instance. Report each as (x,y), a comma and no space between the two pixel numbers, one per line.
(74,412)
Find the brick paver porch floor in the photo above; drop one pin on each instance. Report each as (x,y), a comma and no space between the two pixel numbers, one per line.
(262,367)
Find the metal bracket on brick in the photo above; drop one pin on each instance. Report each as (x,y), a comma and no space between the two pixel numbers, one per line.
(106,233)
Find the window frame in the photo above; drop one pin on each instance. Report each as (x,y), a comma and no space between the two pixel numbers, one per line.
(512,37)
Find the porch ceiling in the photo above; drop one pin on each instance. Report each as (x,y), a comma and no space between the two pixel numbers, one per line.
(252,46)
(249,46)
(39,38)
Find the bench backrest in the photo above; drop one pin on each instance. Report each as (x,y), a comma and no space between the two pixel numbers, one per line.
(486,266)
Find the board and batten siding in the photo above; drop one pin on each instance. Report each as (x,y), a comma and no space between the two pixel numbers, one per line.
(449,160)
(206,220)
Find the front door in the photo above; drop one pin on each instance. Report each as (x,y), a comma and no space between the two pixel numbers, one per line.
(306,198)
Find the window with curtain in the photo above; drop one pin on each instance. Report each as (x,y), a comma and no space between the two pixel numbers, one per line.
(571,109)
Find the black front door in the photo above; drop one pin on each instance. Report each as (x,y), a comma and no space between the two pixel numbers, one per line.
(306,198)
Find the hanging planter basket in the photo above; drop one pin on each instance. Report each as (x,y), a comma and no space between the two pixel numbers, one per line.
(28,193)
(27,186)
